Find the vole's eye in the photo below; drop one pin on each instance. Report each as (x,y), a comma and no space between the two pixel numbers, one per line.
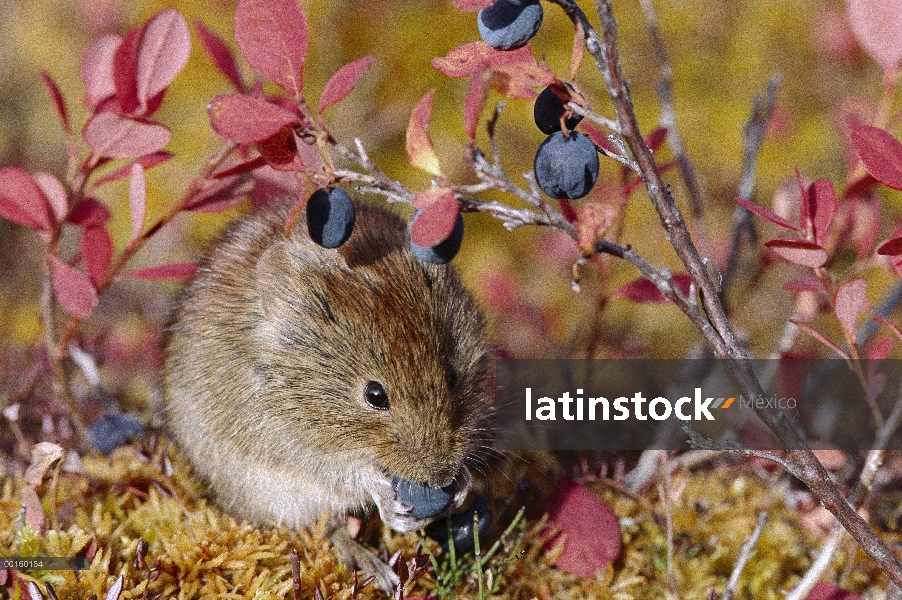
(375,395)
(452,377)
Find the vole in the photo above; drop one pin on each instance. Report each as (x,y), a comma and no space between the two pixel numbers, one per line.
(302,381)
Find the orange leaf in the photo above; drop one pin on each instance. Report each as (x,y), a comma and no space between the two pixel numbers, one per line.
(419,144)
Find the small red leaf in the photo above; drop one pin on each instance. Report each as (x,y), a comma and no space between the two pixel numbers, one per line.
(827,591)
(241,168)
(474,103)
(515,73)
(850,302)
(58,102)
(89,213)
(280,151)
(137,199)
(220,55)
(162,53)
(891,248)
(473,5)
(567,210)
(436,221)
(881,349)
(808,283)
(876,24)
(419,144)
(22,201)
(597,137)
(800,252)
(822,206)
(880,153)
(463,61)
(96,252)
(114,136)
(169,272)
(643,290)
(272,36)
(222,195)
(73,289)
(55,193)
(819,337)
(97,69)
(766,214)
(245,119)
(590,529)
(147,161)
(343,81)
(654,139)
(125,66)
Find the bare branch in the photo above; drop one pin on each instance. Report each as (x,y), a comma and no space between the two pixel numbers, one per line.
(745,554)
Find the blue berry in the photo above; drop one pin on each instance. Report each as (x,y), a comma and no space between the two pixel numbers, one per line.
(442,252)
(566,167)
(462,526)
(426,501)
(330,217)
(547,112)
(509,24)
(114,429)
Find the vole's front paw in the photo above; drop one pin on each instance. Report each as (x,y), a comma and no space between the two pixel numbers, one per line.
(359,557)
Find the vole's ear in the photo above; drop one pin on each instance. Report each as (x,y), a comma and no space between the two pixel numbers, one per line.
(289,283)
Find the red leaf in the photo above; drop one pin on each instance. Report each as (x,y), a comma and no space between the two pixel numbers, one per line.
(280,151)
(880,153)
(114,136)
(245,119)
(220,55)
(241,168)
(169,272)
(162,54)
(808,283)
(97,69)
(55,193)
(891,248)
(818,336)
(125,66)
(881,349)
(147,161)
(96,252)
(473,5)
(89,213)
(515,72)
(827,591)
(474,103)
(876,24)
(419,144)
(766,214)
(590,529)
(822,206)
(343,81)
(654,139)
(58,103)
(463,61)
(137,199)
(579,49)
(272,35)
(73,289)
(222,195)
(436,221)
(850,302)
(567,210)
(22,201)
(800,252)
(643,290)
(597,137)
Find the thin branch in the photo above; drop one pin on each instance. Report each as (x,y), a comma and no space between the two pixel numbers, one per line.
(745,554)
(664,89)
(753,134)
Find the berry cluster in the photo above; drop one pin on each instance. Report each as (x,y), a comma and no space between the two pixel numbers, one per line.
(566,164)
